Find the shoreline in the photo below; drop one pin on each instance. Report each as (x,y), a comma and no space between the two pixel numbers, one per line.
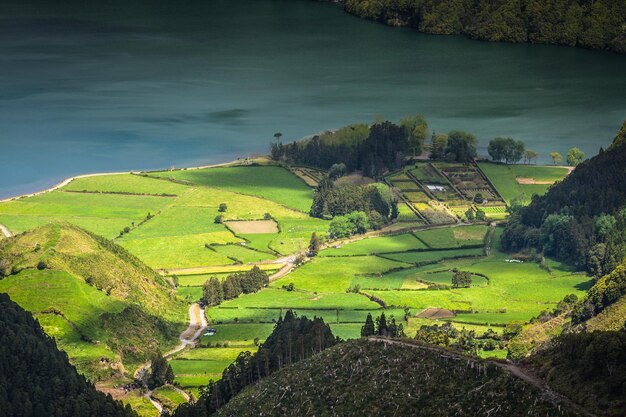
(68,180)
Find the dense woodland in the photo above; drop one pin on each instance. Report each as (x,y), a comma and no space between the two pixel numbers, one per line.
(36,379)
(595,24)
(292,340)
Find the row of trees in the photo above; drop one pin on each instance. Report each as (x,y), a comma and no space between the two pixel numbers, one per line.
(293,339)
(512,151)
(383,149)
(381,327)
(214,290)
(597,24)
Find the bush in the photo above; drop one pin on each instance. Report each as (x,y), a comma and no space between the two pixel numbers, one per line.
(223,207)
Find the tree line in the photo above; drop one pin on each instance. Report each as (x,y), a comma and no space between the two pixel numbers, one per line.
(595,24)
(214,290)
(292,340)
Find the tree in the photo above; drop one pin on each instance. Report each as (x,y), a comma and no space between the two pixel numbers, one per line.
(439,145)
(575,156)
(417,130)
(506,149)
(381,325)
(461,146)
(218,219)
(160,372)
(223,207)
(481,216)
(368,329)
(557,158)
(461,279)
(530,156)
(212,292)
(469,214)
(277,136)
(337,171)
(314,245)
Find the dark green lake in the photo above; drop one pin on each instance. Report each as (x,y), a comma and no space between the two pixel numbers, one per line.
(99,86)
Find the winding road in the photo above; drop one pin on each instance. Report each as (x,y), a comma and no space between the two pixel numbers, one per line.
(197,324)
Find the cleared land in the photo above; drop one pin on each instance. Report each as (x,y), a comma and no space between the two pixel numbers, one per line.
(253,226)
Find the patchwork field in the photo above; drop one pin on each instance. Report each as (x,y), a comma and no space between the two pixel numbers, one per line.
(192,225)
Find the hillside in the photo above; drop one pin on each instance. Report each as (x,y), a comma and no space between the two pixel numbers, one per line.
(589,368)
(594,25)
(372,378)
(36,378)
(101,303)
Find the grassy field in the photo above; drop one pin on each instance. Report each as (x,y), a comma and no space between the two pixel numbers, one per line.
(453,237)
(268,182)
(372,246)
(335,274)
(504,179)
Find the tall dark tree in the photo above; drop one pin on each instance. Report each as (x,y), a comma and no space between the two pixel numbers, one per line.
(368,328)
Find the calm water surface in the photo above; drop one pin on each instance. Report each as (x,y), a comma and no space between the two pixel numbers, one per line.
(99,86)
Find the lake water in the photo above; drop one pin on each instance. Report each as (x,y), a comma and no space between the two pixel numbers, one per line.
(91,86)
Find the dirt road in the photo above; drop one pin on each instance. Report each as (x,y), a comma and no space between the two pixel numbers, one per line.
(197,324)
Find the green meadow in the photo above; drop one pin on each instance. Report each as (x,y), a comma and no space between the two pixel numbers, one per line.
(504,177)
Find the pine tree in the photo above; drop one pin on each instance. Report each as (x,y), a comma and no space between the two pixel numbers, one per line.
(314,245)
(368,329)
(381,325)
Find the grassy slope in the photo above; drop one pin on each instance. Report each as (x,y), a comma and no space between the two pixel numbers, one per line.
(503,177)
(409,381)
(97,299)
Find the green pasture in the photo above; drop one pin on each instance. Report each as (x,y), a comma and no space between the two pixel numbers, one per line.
(125,183)
(241,253)
(274,297)
(104,214)
(453,237)
(168,396)
(371,246)
(516,291)
(434,255)
(269,182)
(328,274)
(504,179)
